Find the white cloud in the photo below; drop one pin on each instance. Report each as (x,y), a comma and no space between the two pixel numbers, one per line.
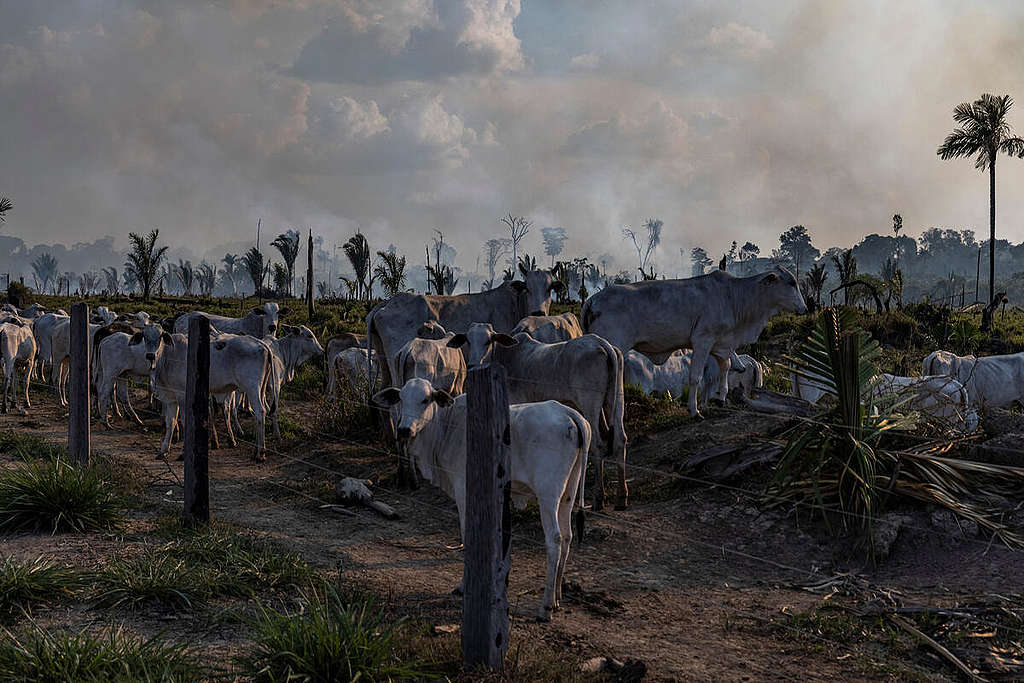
(585,62)
(739,40)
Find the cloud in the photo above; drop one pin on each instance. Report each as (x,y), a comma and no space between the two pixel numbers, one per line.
(738,40)
(585,62)
(371,44)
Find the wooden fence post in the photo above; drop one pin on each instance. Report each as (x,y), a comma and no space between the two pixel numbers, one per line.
(309,277)
(78,385)
(485,617)
(197,416)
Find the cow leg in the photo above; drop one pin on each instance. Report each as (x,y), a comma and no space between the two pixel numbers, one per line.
(7,386)
(28,378)
(701,351)
(724,365)
(261,427)
(170,420)
(122,388)
(104,396)
(113,398)
(565,507)
(553,546)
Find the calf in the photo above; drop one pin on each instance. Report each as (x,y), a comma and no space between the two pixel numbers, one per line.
(335,346)
(18,349)
(429,357)
(547,459)
(585,373)
(351,364)
(550,329)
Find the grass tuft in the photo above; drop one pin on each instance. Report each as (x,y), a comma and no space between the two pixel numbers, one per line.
(149,580)
(56,496)
(330,639)
(29,447)
(25,583)
(71,657)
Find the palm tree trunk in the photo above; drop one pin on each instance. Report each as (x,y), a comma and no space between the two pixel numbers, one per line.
(992,229)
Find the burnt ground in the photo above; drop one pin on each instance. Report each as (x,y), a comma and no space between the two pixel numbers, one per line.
(698,581)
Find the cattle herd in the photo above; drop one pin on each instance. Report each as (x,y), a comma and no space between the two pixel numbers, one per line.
(565,379)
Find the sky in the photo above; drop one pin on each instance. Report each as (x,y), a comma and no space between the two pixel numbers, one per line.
(726,120)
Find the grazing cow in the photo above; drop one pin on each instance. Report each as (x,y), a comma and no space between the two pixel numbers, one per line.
(335,345)
(18,349)
(42,328)
(258,322)
(296,346)
(712,314)
(547,459)
(32,312)
(351,365)
(550,329)
(947,363)
(119,354)
(938,396)
(429,357)
(394,322)
(237,363)
(672,376)
(585,373)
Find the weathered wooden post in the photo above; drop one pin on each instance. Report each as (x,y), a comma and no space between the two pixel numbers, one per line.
(78,385)
(197,416)
(485,617)
(309,277)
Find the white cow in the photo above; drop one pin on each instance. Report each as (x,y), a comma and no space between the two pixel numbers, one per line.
(351,366)
(947,363)
(547,459)
(101,315)
(42,328)
(297,345)
(550,329)
(334,347)
(258,322)
(18,349)
(60,355)
(991,381)
(121,355)
(712,314)
(585,373)
(429,357)
(938,396)
(672,376)
(237,363)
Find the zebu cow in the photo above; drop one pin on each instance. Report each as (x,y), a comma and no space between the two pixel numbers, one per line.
(334,347)
(547,459)
(120,354)
(18,351)
(947,363)
(429,357)
(258,322)
(585,373)
(295,347)
(712,314)
(351,365)
(394,322)
(672,376)
(32,312)
(940,397)
(60,355)
(101,315)
(42,329)
(550,329)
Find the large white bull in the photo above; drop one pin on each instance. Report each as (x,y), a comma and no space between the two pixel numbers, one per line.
(585,373)
(712,314)
(547,458)
(394,322)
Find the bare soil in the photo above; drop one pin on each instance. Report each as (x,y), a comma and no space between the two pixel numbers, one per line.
(699,582)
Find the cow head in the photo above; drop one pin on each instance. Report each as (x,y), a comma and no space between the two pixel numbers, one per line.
(418,402)
(270,313)
(781,291)
(303,342)
(535,291)
(479,339)
(153,340)
(103,316)
(431,330)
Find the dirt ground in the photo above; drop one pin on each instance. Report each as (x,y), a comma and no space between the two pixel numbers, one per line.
(698,582)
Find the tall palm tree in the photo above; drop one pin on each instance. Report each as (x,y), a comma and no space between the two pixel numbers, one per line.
(983,134)
(288,244)
(256,268)
(186,275)
(207,277)
(357,249)
(846,266)
(44,268)
(111,280)
(5,205)
(230,270)
(391,272)
(144,260)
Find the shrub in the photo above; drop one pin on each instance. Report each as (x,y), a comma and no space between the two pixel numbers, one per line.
(19,295)
(24,583)
(328,640)
(150,579)
(58,657)
(56,496)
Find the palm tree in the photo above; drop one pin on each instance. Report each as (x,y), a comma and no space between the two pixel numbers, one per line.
(144,260)
(230,270)
(846,265)
(815,280)
(128,281)
(357,249)
(391,272)
(111,280)
(88,281)
(5,205)
(279,274)
(44,268)
(288,244)
(983,134)
(255,267)
(207,277)
(186,275)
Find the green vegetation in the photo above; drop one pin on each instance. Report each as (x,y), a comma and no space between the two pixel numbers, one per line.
(25,583)
(61,657)
(56,496)
(27,447)
(329,639)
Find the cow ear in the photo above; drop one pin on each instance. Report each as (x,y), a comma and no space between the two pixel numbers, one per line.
(520,287)
(770,278)
(558,286)
(442,397)
(136,339)
(283,311)
(504,339)
(258,311)
(457,341)
(387,397)
(167,338)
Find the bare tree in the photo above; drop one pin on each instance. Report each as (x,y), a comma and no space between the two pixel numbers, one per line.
(517,227)
(494,250)
(646,245)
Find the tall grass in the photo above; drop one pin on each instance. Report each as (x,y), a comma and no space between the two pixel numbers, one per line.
(55,496)
(330,639)
(26,583)
(61,657)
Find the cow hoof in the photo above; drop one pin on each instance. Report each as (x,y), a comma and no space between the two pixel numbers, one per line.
(544,616)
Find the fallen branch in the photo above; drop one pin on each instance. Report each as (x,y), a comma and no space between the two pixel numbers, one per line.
(931,642)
